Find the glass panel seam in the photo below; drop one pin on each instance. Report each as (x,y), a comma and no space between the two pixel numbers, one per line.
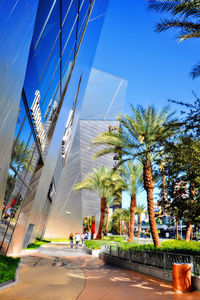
(47,19)
(59,32)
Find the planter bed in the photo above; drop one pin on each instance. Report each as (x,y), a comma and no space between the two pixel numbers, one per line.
(163,260)
(157,272)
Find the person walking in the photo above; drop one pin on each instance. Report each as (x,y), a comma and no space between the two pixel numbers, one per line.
(82,238)
(77,239)
(71,239)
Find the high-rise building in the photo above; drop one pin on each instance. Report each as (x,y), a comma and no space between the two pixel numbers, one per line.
(103,101)
(47,48)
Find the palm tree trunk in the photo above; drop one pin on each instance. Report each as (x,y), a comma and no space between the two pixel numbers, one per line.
(191,234)
(196,230)
(107,218)
(139,225)
(103,207)
(188,232)
(128,226)
(149,187)
(88,223)
(176,228)
(132,217)
(192,189)
(120,227)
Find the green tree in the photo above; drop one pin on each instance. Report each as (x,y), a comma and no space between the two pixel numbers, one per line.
(110,201)
(140,136)
(139,210)
(183,165)
(184,16)
(106,183)
(132,173)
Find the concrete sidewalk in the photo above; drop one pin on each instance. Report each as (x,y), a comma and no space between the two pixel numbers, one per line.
(46,278)
(106,282)
(70,274)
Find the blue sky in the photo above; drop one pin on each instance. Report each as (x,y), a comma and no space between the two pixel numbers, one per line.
(156,66)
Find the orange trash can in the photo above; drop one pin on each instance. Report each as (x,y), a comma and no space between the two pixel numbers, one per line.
(181,273)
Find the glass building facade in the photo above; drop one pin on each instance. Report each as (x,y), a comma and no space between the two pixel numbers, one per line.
(59,57)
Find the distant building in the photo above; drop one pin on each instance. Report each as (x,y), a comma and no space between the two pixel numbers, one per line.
(103,101)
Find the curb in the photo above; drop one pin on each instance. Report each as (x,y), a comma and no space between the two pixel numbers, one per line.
(6,284)
(91,251)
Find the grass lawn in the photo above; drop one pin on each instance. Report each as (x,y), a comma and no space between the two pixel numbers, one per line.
(109,240)
(8,266)
(114,238)
(59,240)
(37,244)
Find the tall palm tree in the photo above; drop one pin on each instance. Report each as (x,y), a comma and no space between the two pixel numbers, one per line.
(140,136)
(185,17)
(139,210)
(106,183)
(132,172)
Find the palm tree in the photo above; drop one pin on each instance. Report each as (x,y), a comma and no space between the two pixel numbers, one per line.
(185,17)
(20,159)
(117,218)
(110,201)
(126,215)
(104,182)
(133,175)
(21,156)
(140,136)
(139,210)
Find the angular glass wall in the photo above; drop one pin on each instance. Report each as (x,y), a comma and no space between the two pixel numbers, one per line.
(80,75)
(48,92)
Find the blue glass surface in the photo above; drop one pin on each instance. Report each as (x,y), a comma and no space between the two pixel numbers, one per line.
(69,28)
(45,9)
(44,59)
(83,14)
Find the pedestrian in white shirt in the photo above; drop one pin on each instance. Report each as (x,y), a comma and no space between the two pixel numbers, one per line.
(77,239)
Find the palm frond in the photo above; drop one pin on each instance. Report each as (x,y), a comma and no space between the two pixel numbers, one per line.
(183,8)
(166,24)
(195,71)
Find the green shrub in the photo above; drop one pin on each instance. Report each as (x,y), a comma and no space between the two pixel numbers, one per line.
(8,266)
(172,246)
(94,244)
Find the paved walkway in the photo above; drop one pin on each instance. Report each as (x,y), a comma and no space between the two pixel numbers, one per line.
(55,272)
